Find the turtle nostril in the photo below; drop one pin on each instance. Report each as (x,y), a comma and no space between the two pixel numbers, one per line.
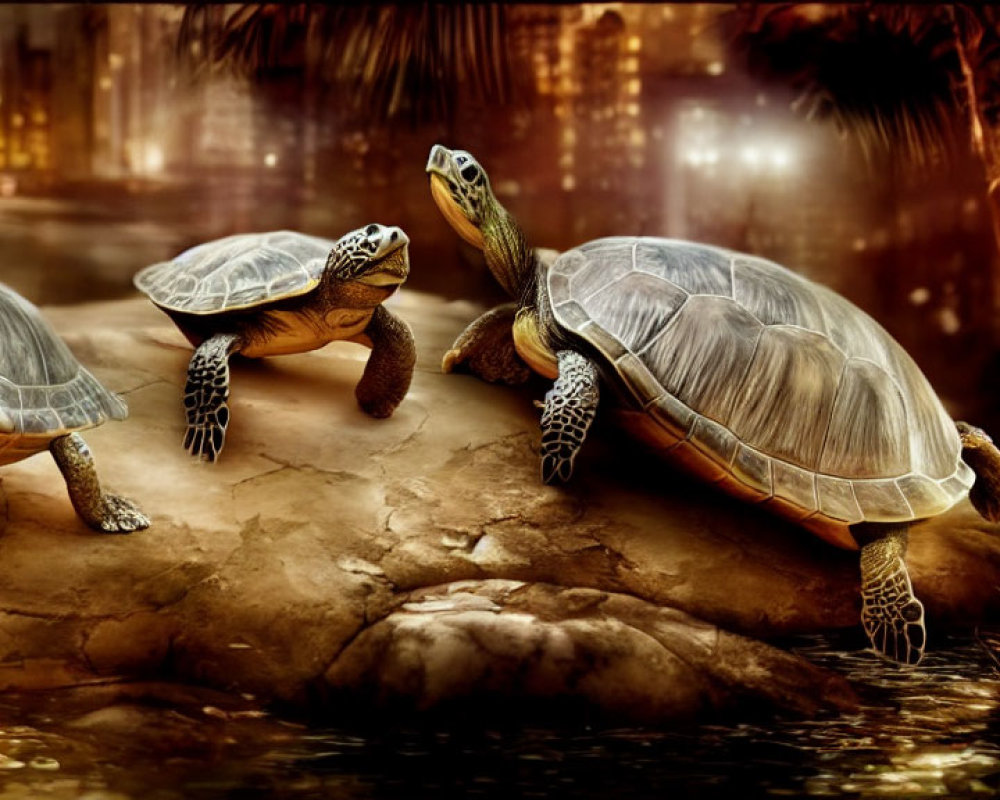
(394,236)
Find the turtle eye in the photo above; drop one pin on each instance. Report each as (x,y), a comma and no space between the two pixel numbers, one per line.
(470,173)
(371,230)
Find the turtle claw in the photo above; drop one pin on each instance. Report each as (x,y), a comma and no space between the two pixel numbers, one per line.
(205,443)
(377,407)
(556,468)
(450,360)
(898,636)
(121,515)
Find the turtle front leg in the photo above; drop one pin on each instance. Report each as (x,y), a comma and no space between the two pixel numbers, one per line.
(101,510)
(206,396)
(891,614)
(486,348)
(570,406)
(389,370)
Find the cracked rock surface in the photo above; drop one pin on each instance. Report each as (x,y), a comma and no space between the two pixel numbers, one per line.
(418,562)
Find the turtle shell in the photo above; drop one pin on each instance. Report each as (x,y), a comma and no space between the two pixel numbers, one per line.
(237,272)
(777,388)
(44,391)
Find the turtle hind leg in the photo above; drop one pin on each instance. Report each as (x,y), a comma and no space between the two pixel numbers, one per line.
(101,510)
(891,614)
(979,452)
(569,409)
(206,394)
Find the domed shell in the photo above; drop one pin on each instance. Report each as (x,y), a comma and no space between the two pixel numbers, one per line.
(43,388)
(754,377)
(241,271)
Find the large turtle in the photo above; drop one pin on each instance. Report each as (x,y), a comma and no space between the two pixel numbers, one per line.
(774,388)
(46,396)
(265,294)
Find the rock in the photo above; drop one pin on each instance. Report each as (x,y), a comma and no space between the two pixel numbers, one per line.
(330,553)
(522,644)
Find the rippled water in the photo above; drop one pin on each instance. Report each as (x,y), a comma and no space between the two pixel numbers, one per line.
(921,733)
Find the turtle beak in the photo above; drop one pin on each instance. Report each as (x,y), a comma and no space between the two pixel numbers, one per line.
(391,261)
(440,161)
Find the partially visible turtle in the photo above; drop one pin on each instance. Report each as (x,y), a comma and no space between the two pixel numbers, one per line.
(267,294)
(774,388)
(46,396)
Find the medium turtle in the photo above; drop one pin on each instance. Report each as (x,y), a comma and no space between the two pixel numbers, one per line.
(46,396)
(266,294)
(775,388)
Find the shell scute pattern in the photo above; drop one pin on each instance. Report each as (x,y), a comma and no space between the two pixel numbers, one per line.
(932,440)
(238,271)
(680,355)
(753,469)
(672,413)
(692,268)
(882,500)
(836,499)
(605,342)
(784,399)
(714,440)
(634,319)
(924,496)
(43,388)
(869,416)
(781,381)
(603,266)
(775,297)
(794,483)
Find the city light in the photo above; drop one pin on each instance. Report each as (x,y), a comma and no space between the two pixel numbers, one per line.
(270,159)
(697,157)
(776,156)
(152,159)
(750,156)
(780,158)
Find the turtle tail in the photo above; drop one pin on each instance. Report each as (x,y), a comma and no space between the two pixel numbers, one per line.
(979,452)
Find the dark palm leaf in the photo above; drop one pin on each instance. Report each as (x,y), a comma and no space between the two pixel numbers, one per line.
(383,60)
(884,74)
(977,30)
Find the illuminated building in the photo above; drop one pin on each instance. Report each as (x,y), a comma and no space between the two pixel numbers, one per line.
(25,100)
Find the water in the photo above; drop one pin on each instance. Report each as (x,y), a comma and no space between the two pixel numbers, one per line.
(929,732)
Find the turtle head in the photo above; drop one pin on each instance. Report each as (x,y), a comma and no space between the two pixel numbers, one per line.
(461,189)
(375,255)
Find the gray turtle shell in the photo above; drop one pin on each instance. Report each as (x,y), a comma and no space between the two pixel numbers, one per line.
(792,392)
(237,272)
(43,388)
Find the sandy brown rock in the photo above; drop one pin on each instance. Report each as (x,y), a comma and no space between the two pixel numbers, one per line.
(522,644)
(264,573)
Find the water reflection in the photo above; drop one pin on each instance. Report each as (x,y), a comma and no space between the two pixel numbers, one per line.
(921,733)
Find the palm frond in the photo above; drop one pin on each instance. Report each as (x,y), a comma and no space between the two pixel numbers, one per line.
(382,60)
(885,75)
